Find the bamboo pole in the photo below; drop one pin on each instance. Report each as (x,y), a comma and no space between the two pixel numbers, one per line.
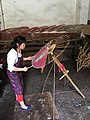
(65,73)
(3,20)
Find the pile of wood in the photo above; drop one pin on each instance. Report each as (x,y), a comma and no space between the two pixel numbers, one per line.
(39,36)
(83,59)
(36,33)
(36,36)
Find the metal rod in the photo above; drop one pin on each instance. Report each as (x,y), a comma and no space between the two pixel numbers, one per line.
(30,67)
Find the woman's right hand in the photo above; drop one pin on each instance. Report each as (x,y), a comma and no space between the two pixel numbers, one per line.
(25,69)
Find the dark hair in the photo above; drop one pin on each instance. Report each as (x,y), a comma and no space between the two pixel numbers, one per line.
(19,40)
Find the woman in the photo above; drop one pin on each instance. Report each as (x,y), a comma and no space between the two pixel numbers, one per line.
(14,63)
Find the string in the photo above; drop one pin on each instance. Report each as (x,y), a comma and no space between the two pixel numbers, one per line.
(47,78)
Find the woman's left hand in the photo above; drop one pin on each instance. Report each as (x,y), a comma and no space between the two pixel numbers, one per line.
(29,58)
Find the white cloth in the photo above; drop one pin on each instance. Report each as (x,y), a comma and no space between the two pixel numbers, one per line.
(12,59)
(1,66)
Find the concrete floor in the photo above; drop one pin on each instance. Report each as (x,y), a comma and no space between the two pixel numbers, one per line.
(70,105)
